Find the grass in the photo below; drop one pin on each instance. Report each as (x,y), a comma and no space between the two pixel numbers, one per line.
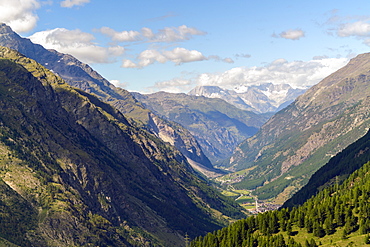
(245,199)
(230,176)
(229,193)
(353,239)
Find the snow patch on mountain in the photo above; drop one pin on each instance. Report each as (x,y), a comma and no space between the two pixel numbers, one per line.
(267,97)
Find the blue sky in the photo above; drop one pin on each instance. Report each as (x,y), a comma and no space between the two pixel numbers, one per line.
(149,46)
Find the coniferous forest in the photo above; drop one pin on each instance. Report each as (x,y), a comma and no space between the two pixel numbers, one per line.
(339,209)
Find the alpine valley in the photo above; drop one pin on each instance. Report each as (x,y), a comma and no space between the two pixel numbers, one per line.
(82,76)
(76,172)
(302,137)
(85,163)
(217,125)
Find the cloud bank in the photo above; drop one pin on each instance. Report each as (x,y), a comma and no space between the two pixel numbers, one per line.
(177,56)
(167,34)
(20,15)
(350,26)
(77,43)
(299,74)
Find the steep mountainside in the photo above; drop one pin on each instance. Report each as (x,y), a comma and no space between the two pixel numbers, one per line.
(218,126)
(262,98)
(332,209)
(335,171)
(75,172)
(336,216)
(299,139)
(82,76)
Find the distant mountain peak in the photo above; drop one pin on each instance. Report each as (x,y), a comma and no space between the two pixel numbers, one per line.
(262,98)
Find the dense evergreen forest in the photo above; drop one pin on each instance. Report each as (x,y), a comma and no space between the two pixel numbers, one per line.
(339,209)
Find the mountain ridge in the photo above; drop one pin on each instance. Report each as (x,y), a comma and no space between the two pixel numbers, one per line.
(82,76)
(338,168)
(335,215)
(87,175)
(217,125)
(298,139)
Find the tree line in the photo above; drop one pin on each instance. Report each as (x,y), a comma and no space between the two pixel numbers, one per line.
(340,208)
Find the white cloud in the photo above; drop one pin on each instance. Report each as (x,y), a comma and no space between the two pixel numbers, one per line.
(298,73)
(78,44)
(123,36)
(19,14)
(118,83)
(227,60)
(350,26)
(293,34)
(166,35)
(178,56)
(71,3)
(147,33)
(176,85)
(182,55)
(149,57)
(359,28)
(126,63)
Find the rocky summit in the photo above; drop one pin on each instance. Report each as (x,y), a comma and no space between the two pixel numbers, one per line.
(263,98)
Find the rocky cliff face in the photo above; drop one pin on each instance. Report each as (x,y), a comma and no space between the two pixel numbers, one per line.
(262,98)
(80,75)
(298,140)
(82,175)
(218,126)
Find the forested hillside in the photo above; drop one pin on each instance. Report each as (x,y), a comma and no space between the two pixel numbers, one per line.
(336,216)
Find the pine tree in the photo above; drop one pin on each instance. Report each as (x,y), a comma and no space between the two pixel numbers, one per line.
(318,231)
(329,225)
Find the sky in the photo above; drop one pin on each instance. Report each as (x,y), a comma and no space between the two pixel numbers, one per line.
(174,46)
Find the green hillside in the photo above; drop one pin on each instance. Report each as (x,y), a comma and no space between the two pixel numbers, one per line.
(75,172)
(335,171)
(82,76)
(336,216)
(299,139)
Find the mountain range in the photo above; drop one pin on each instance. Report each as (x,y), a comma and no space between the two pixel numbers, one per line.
(83,163)
(299,139)
(331,210)
(263,98)
(217,125)
(76,172)
(80,75)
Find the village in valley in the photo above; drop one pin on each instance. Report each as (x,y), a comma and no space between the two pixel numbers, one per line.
(244,197)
